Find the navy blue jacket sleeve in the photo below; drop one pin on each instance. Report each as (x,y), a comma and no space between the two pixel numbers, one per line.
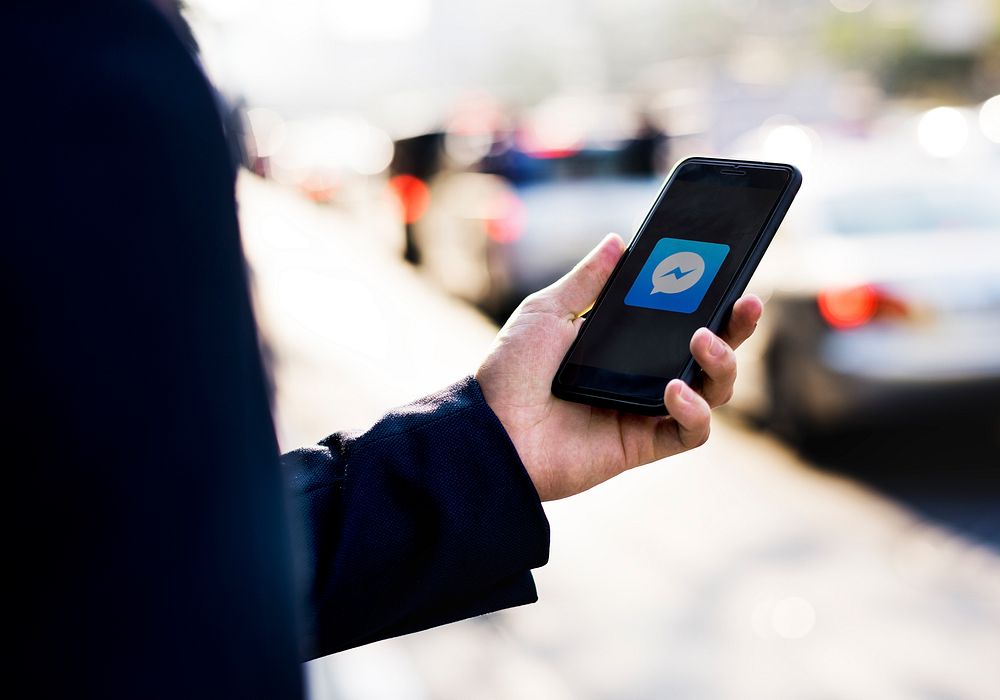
(426,518)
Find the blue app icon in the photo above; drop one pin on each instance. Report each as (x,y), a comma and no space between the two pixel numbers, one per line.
(677,275)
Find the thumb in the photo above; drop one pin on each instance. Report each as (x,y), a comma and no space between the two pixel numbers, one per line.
(577,289)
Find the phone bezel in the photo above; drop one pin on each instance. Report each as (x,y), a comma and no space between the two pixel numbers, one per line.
(720,314)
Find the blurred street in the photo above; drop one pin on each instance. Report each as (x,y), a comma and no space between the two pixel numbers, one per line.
(741,570)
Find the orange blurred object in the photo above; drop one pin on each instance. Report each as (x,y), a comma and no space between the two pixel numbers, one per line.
(319,188)
(848,308)
(413,194)
(856,306)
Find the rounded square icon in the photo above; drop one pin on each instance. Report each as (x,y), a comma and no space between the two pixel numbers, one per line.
(677,275)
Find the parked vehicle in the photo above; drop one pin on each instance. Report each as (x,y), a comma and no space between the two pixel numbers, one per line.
(493,240)
(495,228)
(883,294)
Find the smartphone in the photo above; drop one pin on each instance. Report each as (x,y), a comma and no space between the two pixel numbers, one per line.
(685,268)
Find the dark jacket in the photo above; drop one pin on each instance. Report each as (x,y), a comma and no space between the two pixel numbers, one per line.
(148,545)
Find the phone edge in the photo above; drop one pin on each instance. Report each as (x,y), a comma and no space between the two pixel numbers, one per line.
(739,284)
(724,308)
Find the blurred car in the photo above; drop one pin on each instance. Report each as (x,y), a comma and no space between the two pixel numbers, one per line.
(493,239)
(531,203)
(884,295)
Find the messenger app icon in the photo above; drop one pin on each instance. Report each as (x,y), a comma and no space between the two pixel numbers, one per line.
(677,275)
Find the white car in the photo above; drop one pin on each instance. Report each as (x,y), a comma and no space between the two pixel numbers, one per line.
(883,295)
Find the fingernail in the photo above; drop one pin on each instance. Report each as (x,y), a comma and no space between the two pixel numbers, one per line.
(716,348)
(686,393)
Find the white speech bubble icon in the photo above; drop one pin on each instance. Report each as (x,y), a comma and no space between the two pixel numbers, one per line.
(677,273)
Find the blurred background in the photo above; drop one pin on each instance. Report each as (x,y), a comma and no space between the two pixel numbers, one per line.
(413,168)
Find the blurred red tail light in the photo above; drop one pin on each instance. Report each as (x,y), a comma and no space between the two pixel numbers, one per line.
(852,307)
(553,153)
(413,194)
(506,223)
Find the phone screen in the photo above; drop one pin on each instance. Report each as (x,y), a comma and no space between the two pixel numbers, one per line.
(691,247)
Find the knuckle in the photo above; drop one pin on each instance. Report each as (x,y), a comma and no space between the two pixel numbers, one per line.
(727,396)
(729,358)
(696,437)
(702,436)
(534,302)
(730,383)
(729,367)
(528,303)
(588,274)
(722,370)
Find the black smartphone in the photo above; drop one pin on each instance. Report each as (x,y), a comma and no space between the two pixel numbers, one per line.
(688,264)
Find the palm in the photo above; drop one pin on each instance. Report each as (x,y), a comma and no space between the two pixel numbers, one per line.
(570,446)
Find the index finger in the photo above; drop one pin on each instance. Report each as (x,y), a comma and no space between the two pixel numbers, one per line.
(742,322)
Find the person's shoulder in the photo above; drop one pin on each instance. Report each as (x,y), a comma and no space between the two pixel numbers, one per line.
(105,79)
(91,30)
(101,54)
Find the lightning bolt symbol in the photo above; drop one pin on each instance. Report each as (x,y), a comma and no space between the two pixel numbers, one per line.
(678,273)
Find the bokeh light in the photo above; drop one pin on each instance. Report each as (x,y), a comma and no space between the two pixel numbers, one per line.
(413,195)
(943,132)
(789,143)
(989,119)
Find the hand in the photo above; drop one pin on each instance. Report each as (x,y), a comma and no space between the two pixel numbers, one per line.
(569,447)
